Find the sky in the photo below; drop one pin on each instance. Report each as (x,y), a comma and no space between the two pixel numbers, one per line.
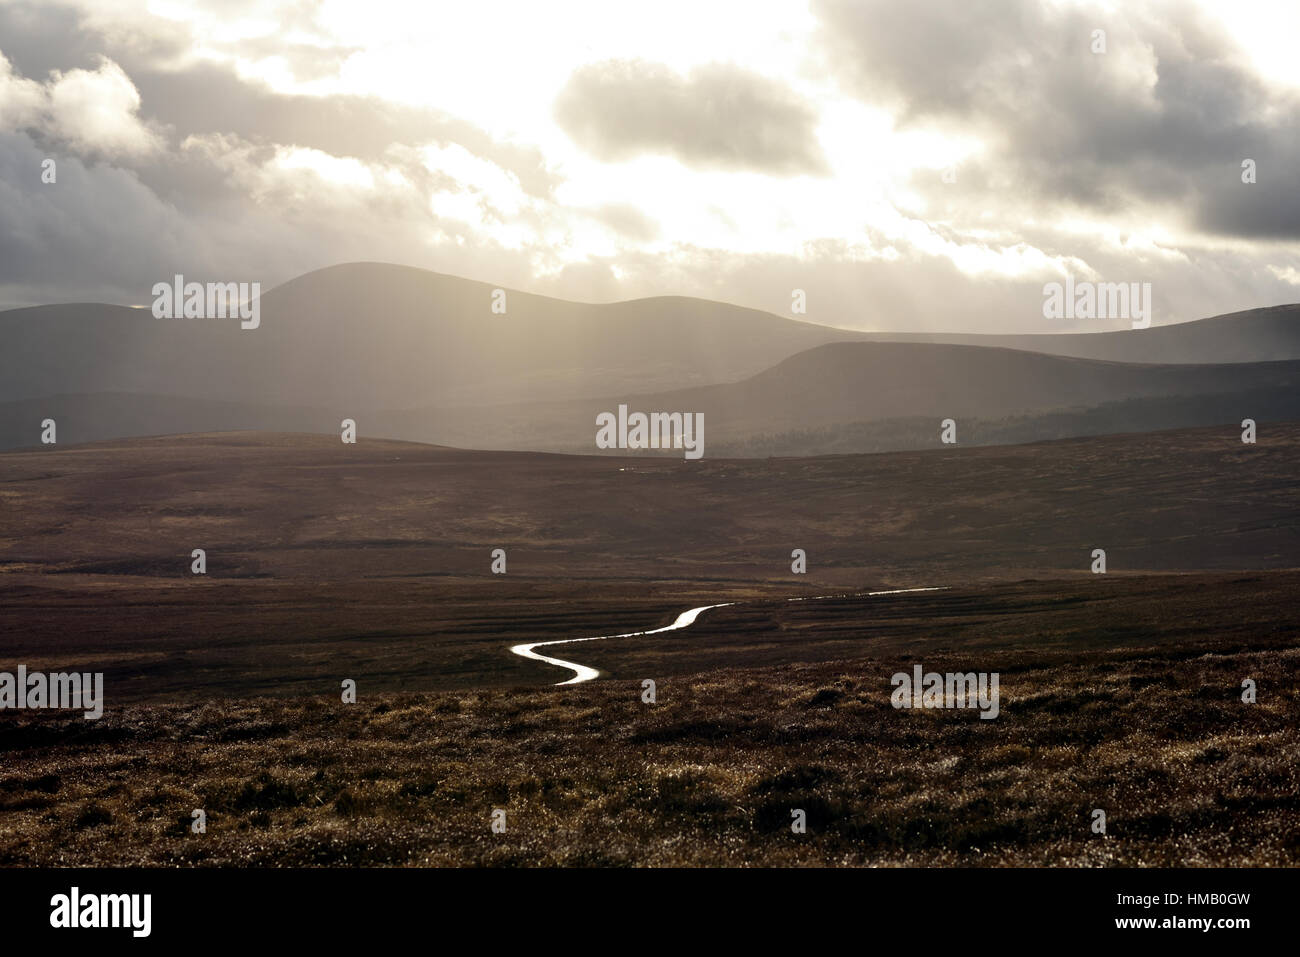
(909,166)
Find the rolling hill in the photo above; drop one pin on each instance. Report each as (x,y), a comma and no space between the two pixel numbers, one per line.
(1254,335)
(413,354)
(902,390)
(368,335)
(372,335)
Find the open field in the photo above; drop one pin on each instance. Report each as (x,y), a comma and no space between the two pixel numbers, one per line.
(328,562)
(1146,726)
(374,560)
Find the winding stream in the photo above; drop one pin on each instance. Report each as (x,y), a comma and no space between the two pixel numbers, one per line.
(583,673)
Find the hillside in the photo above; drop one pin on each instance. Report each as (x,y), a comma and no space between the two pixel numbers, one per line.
(416,355)
(368,335)
(894,395)
(1253,335)
(375,336)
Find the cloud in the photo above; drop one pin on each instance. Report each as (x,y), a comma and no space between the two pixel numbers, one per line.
(1160,122)
(208,98)
(1122,166)
(97,112)
(21,100)
(92,112)
(718,116)
(627,220)
(85,237)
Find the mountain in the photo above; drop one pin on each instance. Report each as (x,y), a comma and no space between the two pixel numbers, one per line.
(837,398)
(893,383)
(1255,335)
(369,335)
(414,354)
(365,336)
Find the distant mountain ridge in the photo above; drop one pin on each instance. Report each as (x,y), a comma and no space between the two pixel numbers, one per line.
(846,384)
(371,335)
(418,355)
(1267,334)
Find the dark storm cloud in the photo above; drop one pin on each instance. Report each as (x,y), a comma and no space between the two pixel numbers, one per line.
(101,234)
(718,116)
(40,37)
(1060,126)
(185,206)
(207,98)
(1072,126)
(88,231)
